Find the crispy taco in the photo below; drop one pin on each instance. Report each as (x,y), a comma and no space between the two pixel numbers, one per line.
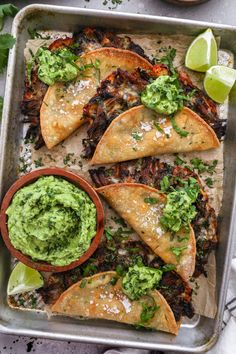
(101,296)
(62,108)
(142,132)
(153,172)
(142,207)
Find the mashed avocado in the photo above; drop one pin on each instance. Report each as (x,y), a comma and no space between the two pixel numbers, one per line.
(139,280)
(52,220)
(163,95)
(56,66)
(179,210)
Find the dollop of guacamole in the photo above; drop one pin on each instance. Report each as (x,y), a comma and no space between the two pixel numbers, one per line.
(56,66)
(179,210)
(163,95)
(139,279)
(52,220)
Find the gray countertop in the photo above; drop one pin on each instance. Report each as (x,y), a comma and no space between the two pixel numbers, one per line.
(220,11)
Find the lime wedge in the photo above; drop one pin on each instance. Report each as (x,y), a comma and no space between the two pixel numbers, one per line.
(202,53)
(218,82)
(23,279)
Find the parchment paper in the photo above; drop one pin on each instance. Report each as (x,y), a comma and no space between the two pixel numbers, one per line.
(204,288)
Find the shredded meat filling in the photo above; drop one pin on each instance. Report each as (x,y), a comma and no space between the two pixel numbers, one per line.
(111,101)
(119,92)
(124,253)
(91,38)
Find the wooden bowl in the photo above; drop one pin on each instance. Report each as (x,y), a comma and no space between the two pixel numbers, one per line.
(77,181)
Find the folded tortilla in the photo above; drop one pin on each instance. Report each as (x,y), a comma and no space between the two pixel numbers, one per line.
(129,200)
(62,108)
(142,132)
(96,297)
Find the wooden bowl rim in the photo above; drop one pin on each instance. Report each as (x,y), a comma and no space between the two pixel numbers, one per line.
(72,178)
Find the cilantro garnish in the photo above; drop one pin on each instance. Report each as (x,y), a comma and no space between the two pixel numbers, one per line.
(38,163)
(83,283)
(202,166)
(179,210)
(151,200)
(34,34)
(178,130)
(137,136)
(108,233)
(177,251)
(165,184)
(158,127)
(209,182)
(148,312)
(168,58)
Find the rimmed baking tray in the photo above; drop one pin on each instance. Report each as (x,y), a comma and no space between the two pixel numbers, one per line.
(196,336)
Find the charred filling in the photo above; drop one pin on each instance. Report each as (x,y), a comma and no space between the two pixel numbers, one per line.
(30,106)
(123,253)
(91,38)
(151,171)
(119,92)
(34,94)
(202,105)
(110,101)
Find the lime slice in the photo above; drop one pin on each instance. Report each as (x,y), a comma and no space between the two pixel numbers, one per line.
(202,53)
(218,82)
(23,279)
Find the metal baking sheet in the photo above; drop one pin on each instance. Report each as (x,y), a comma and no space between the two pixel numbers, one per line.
(196,336)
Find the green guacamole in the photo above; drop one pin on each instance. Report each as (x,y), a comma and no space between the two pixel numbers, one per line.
(57,66)
(139,280)
(52,220)
(163,95)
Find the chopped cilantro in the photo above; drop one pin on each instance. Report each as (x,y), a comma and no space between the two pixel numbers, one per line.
(165,184)
(67,159)
(158,127)
(108,233)
(201,166)
(120,270)
(113,280)
(167,58)
(178,130)
(209,182)
(177,251)
(38,163)
(83,283)
(178,161)
(181,239)
(179,211)
(168,267)
(148,312)
(151,200)
(119,221)
(89,270)
(34,34)
(137,136)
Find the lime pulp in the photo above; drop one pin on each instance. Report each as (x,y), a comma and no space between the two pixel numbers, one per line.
(23,279)
(202,52)
(218,82)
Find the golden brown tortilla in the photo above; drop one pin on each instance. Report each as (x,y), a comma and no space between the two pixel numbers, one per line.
(96,297)
(62,108)
(136,132)
(128,200)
